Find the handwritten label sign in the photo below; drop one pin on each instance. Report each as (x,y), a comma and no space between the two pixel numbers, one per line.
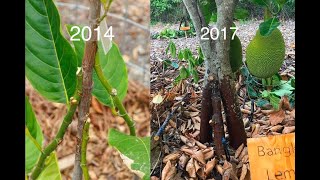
(272,157)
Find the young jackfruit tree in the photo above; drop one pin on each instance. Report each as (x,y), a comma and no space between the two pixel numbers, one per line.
(235,54)
(265,54)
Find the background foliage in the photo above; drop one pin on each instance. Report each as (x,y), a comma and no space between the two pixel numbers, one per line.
(171,10)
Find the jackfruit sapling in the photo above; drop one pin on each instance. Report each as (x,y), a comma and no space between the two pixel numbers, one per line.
(265,54)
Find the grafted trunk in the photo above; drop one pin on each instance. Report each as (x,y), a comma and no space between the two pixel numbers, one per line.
(206,114)
(235,124)
(217,122)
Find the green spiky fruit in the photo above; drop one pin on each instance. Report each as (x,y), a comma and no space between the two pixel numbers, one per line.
(265,54)
(235,54)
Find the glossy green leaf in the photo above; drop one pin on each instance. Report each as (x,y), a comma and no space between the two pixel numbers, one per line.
(51,63)
(34,138)
(172,49)
(268,26)
(293,82)
(115,71)
(78,45)
(274,100)
(262,102)
(51,169)
(284,89)
(135,151)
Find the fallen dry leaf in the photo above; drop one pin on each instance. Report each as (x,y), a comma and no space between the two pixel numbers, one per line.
(157,99)
(208,153)
(190,168)
(238,151)
(277,128)
(171,157)
(243,152)
(210,165)
(289,129)
(96,105)
(183,161)
(284,103)
(244,172)
(199,157)
(166,170)
(293,114)
(277,117)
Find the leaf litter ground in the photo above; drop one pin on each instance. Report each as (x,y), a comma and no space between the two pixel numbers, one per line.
(178,154)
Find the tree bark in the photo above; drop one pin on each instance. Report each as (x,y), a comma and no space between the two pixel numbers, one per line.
(225,9)
(87,67)
(207,47)
(217,121)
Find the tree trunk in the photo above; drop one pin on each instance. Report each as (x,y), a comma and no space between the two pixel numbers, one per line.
(217,121)
(87,67)
(225,9)
(207,47)
(218,67)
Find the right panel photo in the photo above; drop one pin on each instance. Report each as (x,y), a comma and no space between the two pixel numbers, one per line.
(222,88)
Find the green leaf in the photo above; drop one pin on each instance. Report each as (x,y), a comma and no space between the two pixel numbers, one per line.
(180,55)
(265,94)
(207,7)
(285,89)
(32,152)
(195,75)
(184,73)
(274,100)
(51,63)
(293,82)
(262,102)
(172,47)
(135,151)
(177,79)
(252,92)
(268,26)
(115,71)
(276,79)
(51,169)
(166,63)
(78,45)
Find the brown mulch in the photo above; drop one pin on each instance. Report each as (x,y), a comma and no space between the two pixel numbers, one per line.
(104,162)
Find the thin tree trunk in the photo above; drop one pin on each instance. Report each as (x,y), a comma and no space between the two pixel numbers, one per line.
(225,9)
(207,47)
(87,67)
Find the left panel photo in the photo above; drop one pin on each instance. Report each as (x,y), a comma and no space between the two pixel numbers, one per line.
(87,89)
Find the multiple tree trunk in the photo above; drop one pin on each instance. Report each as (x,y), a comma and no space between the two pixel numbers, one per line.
(219,87)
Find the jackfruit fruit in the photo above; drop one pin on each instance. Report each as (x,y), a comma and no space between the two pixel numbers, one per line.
(235,54)
(265,54)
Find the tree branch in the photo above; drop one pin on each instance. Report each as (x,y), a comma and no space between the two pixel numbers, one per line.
(113,93)
(87,67)
(62,130)
(85,139)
